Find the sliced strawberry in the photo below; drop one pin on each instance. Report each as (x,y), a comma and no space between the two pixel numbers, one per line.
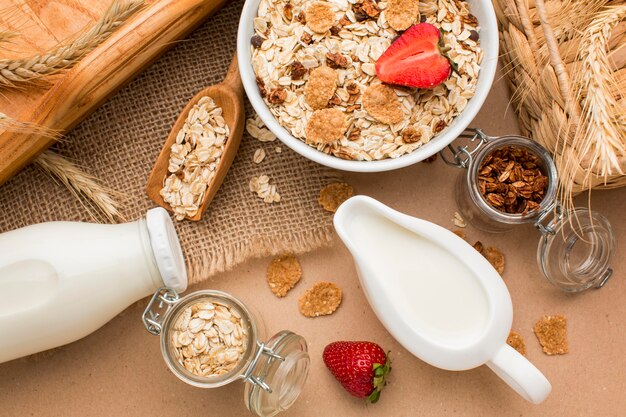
(415,59)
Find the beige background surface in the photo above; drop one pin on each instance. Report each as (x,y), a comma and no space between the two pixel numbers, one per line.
(119,371)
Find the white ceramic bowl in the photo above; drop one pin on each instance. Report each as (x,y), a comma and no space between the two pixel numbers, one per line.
(482,9)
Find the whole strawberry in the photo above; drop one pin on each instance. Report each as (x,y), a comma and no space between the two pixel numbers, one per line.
(361,367)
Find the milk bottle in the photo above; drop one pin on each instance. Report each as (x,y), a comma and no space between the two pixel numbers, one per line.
(60,281)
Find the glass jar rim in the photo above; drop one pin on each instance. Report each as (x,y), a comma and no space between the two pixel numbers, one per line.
(549,167)
(180,371)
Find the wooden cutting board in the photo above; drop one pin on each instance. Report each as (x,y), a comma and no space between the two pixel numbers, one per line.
(71,96)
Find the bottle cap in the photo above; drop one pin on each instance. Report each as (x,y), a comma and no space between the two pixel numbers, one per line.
(166,248)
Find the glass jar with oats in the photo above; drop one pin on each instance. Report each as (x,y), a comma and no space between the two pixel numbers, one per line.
(210,339)
(511,180)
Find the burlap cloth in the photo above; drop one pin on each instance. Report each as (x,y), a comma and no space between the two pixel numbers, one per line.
(120,142)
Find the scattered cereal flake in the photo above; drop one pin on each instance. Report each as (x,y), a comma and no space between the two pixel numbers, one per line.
(326,126)
(256,128)
(321,86)
(460,233)
(401,14)
(266,191)
(495,258)
(283,273)
(278,149)
(259,156)
(551,331)
(320,300)
(382,103)
(458,220)
(334,194)
(516,341)
(320,16)
(493,255)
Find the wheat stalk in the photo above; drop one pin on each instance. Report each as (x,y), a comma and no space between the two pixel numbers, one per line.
(94,197)
(5,35)
(10,124)
(599,144)
(16,71)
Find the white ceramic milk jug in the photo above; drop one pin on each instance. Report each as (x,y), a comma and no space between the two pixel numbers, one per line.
(60,281)
(435,293)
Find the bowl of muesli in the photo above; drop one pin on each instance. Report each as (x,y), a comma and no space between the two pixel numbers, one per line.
(365,85)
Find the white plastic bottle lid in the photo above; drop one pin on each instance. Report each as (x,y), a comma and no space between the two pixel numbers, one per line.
(166,248)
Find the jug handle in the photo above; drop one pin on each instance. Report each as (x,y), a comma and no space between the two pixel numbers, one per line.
(520,374)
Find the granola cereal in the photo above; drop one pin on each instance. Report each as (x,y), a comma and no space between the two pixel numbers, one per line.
(516,341)
(209,338)
(511,180)
(382,103)
(402,14)
(194,158)
(351,35)
(320,300)
(283,273)
(551,331)
(334,194)
(495,258)
(326,126)
(493,255)
(321,87)
(319,16)
(460,233)
(410,135)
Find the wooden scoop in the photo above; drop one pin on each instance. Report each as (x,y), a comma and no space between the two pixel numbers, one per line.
(229,96)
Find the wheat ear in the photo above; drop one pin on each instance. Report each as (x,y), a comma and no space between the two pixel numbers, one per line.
(94,197)
(5,35)
(599,145)
(29,69)
(10,124)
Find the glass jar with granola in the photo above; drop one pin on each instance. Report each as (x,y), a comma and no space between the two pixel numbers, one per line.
(210,339)
(511,180)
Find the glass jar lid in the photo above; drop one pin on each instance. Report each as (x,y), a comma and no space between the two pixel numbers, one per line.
(575,250)
(280,373)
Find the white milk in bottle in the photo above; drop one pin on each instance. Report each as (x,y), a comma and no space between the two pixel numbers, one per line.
(60,281)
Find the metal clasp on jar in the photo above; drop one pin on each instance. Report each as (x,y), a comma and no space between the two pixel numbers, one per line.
(576,244)
(166,297)
(463,155)
(261,350)
(160,305)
